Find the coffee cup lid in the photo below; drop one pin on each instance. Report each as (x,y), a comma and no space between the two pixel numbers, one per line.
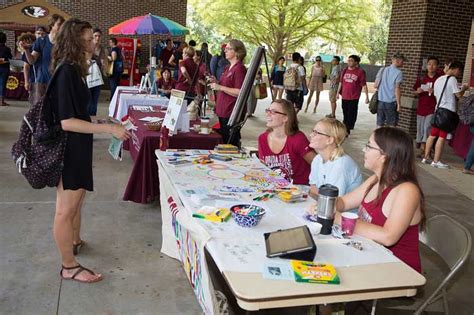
(328,190)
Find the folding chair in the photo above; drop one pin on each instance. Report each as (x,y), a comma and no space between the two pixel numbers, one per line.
(452,242)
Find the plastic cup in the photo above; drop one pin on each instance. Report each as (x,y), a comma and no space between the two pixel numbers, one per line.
(348,222)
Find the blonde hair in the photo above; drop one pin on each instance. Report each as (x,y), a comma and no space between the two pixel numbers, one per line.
(189,51)
(337,130)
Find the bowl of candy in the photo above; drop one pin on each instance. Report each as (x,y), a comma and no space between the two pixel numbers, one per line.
(247,215)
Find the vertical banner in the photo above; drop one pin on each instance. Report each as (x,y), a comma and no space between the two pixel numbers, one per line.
(130,50)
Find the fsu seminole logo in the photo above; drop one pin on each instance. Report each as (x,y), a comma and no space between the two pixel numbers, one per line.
(12,83)
(35,11)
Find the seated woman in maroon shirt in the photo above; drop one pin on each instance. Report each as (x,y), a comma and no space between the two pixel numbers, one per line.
(187,74)
(165,84)
(228,88)
(391,201)
(283,147)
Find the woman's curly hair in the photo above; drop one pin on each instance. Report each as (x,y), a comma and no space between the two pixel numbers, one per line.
(69,45)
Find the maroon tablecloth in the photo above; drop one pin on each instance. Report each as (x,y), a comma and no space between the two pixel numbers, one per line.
(143,184)
(16,87)
(461,141)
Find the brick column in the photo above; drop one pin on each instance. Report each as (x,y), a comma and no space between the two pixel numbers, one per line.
(422,28)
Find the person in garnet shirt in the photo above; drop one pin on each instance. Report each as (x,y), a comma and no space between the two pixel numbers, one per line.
(283,147)
(426,102)
(165,84)
(350,87)
(187,74)
(228,88)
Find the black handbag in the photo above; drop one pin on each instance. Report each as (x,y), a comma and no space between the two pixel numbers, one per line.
(444,119)
(374,101)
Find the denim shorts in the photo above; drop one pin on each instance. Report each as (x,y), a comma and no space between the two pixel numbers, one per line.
(387,114)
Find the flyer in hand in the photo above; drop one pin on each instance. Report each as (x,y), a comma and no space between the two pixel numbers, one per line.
(306,271)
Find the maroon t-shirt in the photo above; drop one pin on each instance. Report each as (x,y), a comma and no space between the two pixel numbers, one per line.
(165,57)
(233,78)
(289,162)
(426,102)
(352,81)
(191,67)
(162,84)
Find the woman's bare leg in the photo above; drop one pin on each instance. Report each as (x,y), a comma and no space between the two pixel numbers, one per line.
(309,100)
(76,222)
(67,204)
(317,101)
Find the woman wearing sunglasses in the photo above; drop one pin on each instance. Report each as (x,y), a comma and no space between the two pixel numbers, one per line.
(332,165)
(283,147)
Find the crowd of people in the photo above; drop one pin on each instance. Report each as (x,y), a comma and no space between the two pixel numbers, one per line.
(390,203)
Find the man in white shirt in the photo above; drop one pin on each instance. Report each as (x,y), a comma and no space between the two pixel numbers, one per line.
(448,101)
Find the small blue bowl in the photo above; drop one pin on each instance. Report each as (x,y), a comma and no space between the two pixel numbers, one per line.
(247,215)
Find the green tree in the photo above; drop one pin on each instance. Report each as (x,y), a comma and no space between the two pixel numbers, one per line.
(376,35)
(284,25)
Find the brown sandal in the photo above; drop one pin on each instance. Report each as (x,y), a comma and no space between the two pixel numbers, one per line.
(76,248)
(79,270)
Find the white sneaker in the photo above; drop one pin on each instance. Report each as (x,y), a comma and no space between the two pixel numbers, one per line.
(426,161)
(439,164)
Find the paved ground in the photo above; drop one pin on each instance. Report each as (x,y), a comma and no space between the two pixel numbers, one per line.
(124,238)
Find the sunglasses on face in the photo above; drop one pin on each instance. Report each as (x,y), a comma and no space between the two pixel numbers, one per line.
(273,112)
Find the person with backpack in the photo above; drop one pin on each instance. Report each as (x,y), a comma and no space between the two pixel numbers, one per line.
(116,58)
(446,90)
(40,56)
(68,97)
(276,78)
(350,88)
(294,82)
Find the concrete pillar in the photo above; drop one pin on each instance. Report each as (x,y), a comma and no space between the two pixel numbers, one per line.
(423,28)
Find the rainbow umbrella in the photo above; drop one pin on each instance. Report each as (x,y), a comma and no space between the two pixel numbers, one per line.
(148,25)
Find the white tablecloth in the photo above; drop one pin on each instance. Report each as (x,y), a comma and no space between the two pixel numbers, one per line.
(126,96)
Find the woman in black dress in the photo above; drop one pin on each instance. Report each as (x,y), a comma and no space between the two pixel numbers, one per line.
(69,98)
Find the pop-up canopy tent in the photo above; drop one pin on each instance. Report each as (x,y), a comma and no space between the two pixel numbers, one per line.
(26,15)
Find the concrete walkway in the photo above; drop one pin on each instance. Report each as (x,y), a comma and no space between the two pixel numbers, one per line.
(123,238)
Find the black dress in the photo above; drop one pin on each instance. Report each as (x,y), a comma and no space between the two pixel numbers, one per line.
(69,99)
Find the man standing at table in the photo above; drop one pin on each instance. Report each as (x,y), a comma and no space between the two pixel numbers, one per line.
(40,56)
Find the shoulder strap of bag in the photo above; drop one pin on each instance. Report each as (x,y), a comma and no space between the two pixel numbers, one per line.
(442,92)
(381,76)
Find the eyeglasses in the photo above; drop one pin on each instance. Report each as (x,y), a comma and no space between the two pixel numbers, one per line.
(273,112)
(370,147)
(318,59)
(315,132)
(227,48)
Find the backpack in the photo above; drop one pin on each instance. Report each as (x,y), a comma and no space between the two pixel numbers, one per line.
(291,79)
(39,151)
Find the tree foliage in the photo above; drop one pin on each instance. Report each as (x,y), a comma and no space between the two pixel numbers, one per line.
(286,25)
(376,35)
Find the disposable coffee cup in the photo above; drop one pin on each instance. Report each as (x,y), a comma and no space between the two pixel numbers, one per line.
(348,222)
(205,131)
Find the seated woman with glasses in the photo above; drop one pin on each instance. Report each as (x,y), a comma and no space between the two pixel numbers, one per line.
(332,165)
(283,147)
(391,201)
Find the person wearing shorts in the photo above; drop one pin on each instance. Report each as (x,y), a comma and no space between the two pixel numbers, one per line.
(296,96)
(423,88)
(334,79)
(452,91)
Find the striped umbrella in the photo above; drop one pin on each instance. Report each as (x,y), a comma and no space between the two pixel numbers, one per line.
(148,25)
